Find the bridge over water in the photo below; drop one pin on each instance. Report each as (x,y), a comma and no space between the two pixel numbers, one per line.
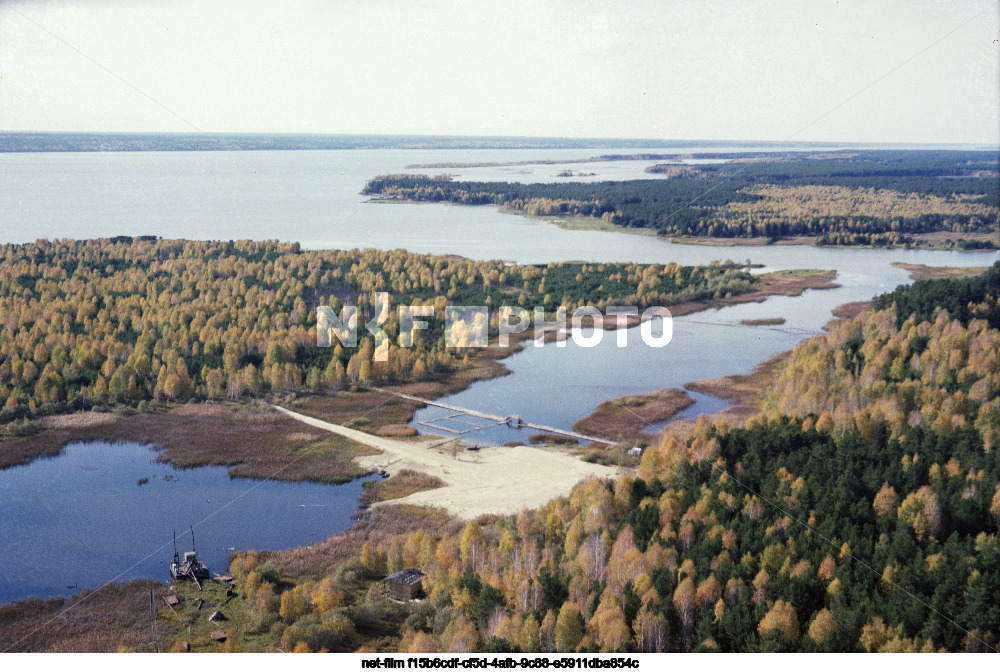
(514,421)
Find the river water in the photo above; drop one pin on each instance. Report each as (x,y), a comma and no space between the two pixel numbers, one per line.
(313,197)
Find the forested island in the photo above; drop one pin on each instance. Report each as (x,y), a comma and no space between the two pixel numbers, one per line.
(875,198)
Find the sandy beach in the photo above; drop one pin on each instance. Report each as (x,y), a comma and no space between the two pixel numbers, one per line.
(494,479)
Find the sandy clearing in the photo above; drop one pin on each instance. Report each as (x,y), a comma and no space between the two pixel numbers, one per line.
(497,480)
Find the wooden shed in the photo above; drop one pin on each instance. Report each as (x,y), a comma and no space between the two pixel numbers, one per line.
(404,585)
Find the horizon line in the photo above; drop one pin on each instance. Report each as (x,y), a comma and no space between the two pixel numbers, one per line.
(472,137)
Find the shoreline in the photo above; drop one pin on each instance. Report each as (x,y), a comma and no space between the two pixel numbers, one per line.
(925,272)
(623,418)
(746,392)
(932,241)
(494,480)
(186,424)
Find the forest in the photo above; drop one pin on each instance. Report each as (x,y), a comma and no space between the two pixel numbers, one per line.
(130,321)
(847,198)
(858,511)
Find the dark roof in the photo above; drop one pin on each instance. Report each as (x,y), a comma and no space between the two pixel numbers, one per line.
(406,576)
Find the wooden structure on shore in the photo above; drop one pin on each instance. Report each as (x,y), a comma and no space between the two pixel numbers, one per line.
(404,585)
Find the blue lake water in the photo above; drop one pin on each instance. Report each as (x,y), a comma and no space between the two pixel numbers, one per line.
(80,519)
(311,197)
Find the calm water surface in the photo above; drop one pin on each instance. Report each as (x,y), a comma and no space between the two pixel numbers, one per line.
(556,385)
(80,519)
(311,197)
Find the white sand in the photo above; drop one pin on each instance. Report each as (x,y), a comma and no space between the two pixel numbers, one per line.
(492,480)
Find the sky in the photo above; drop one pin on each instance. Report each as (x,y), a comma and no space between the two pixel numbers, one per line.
(818,70)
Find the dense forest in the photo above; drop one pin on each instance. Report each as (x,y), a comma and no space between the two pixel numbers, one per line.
(871,198)
(859,511)
(104,322)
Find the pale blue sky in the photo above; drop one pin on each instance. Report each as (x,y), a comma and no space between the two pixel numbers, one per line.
(855,70)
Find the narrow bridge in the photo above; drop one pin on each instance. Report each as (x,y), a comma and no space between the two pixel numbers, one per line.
(514,421)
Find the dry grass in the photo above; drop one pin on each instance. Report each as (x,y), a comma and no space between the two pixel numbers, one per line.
(98,620)
(851,310)
(922,272)
(794,282)
(116,616)
(380,525)
(763,322)
(399,485)
(23,449)
(366,410)
(254,442)
(76,420)
(743,389)
(624,418)
(397,430)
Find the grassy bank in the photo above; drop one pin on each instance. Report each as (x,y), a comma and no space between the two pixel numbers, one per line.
(744,391)
(399,485)
(923,272)
(104,620)
(624,418)
(254,442)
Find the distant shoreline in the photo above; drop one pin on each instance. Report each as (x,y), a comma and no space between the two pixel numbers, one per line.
(43,141)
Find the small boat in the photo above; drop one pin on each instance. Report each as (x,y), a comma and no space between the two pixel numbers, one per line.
(190,567)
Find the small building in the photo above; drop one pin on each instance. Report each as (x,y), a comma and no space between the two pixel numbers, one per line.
(404,585)
(635,451)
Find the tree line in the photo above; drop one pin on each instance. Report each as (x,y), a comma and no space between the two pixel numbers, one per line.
(103,322)
(843,198)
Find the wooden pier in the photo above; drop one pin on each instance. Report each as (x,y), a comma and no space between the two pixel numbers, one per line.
(514,421)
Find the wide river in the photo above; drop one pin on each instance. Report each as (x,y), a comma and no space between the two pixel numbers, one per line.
(313,197)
